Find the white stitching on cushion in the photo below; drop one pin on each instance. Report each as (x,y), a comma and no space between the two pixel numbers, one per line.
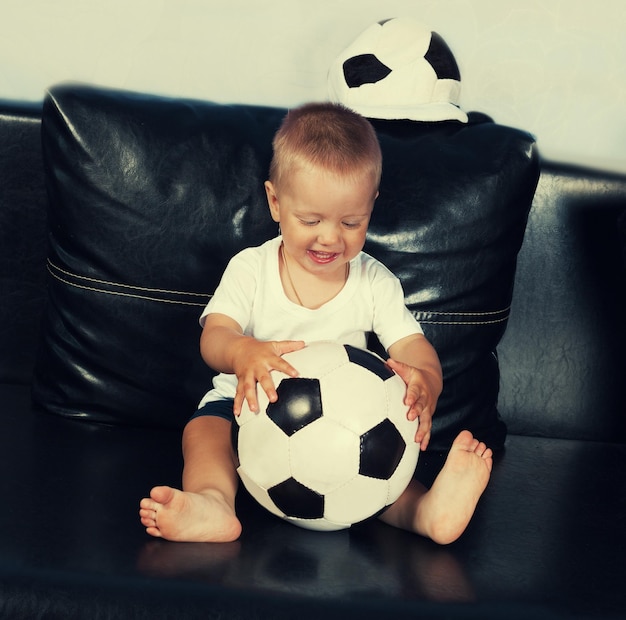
(55,272)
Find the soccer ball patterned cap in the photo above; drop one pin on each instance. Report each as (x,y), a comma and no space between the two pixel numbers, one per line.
(398,69)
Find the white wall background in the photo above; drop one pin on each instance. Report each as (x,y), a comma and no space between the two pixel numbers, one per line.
(554,67)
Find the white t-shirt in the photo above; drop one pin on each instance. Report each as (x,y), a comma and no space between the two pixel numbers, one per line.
(252,294)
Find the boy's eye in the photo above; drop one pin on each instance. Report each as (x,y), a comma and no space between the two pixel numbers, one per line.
(309,222)
(352,224)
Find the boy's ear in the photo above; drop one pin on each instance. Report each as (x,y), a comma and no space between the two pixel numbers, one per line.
(272,201)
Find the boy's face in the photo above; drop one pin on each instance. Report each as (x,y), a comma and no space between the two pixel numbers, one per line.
(323,217)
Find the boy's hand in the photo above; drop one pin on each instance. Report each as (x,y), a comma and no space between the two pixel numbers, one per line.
(253,360)
(421,398)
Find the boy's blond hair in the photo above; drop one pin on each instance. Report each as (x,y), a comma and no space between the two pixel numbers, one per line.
(327,136)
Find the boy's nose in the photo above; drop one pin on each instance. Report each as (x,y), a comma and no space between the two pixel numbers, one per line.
(329,234)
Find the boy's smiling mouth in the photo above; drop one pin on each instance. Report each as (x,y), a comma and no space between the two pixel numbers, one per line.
(322,258)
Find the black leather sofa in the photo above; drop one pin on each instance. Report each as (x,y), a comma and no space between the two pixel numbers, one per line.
(118,212)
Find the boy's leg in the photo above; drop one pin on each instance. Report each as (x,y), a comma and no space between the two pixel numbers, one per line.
(204,511)
(443,512)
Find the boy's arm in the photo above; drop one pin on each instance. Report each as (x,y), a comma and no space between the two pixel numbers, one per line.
(225,348)
(415,360)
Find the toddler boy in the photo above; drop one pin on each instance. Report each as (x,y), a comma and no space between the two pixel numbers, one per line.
(312,282)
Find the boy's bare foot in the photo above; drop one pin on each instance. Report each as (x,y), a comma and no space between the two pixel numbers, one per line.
(446,509)
(189,517)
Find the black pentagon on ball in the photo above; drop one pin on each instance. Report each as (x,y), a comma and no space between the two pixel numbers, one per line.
(441,59)
(299,403)
(382,448)
(364,69)
(368,360)
(296,500)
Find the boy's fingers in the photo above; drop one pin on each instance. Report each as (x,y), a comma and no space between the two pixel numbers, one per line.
(417,399)
(400,369)
(417,403)
(286,368)
(247,384)
(268,387)
(422,436)
(288,346)
(238,402)
(414,397)
(246,390)
(422,439)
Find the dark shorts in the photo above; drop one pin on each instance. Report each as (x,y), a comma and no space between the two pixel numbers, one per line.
(217,408)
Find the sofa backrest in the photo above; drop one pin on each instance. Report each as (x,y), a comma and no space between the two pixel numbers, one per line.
(150,197)
(23,240)
(560,359)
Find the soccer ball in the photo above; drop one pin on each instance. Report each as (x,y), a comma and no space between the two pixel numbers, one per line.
(398,69)
(337,447)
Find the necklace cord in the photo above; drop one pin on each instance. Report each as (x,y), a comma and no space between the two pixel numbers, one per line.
(293,288)
(291,284)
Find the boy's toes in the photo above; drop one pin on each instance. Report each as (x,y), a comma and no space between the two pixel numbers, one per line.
(147,504)
(162,495)
(465,441)
(148,515)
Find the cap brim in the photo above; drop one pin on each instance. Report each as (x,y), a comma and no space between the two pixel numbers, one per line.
(426,112)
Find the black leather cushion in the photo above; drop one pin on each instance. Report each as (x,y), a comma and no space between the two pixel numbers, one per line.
(449,222)
(150,197)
